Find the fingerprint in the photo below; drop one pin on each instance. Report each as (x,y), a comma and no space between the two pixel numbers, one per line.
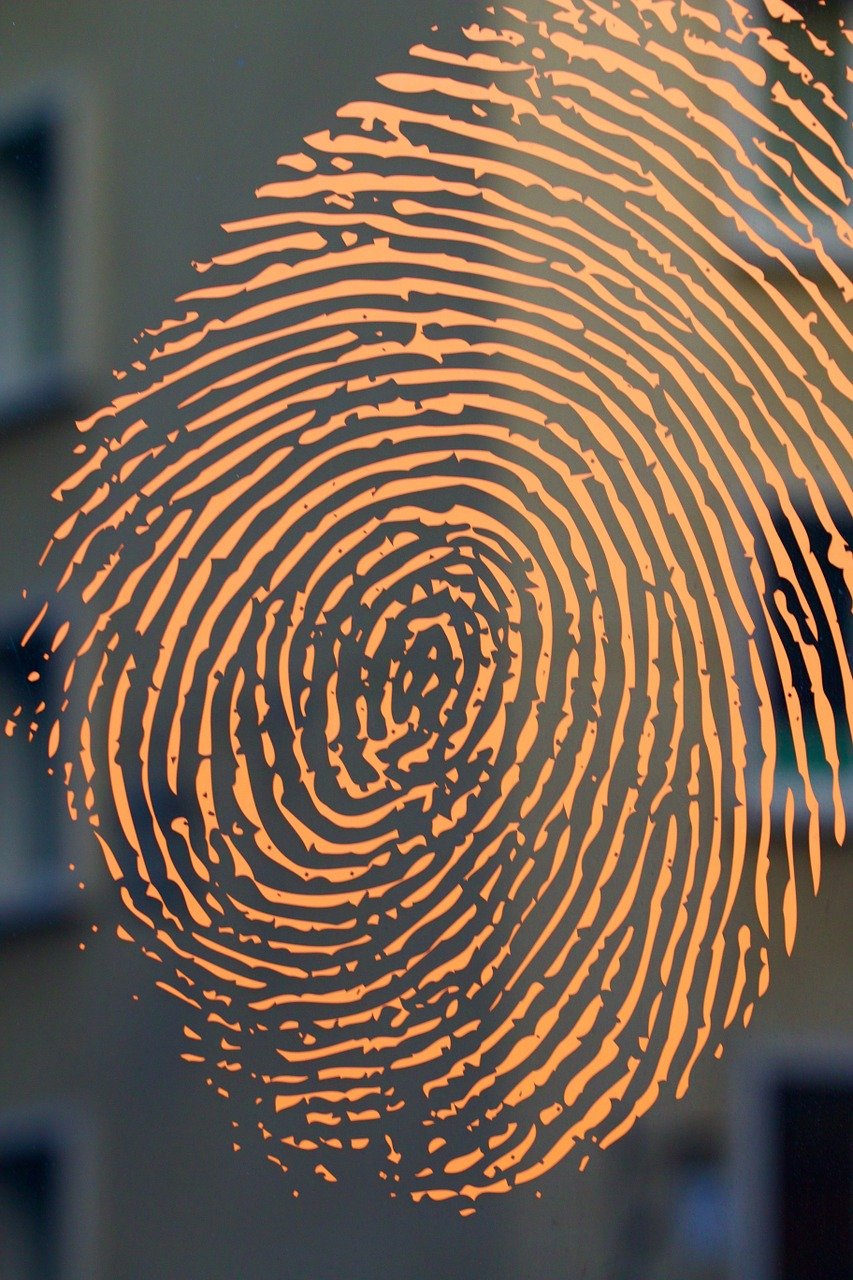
(432,583)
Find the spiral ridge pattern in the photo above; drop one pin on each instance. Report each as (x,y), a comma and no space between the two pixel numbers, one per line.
(436,572)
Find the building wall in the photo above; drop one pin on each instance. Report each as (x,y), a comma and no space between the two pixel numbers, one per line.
(183,109)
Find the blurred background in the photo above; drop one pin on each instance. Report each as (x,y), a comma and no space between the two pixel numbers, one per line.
(128,133)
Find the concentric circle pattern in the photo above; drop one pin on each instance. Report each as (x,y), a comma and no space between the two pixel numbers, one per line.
(434,579)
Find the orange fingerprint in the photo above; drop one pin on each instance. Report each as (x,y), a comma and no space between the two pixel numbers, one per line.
(429,573)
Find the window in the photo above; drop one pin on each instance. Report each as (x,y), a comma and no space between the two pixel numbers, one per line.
(676,1219)
(34,879)
(46,1197)
(812,1139)
(794,604)
(798,158)
(29,1228)
(793,1166)
(816,42)
(29,244)
(46,286)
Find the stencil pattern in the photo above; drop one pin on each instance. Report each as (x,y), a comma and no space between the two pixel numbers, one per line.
(430,584)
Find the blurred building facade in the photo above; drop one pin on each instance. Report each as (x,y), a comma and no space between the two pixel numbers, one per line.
(127,135)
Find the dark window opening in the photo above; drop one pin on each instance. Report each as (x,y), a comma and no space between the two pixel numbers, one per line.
(32,876)
(783,597)
(814,1193)
(29,1218)
(30,293)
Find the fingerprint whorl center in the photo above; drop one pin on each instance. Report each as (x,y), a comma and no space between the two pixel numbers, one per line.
(421,579)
